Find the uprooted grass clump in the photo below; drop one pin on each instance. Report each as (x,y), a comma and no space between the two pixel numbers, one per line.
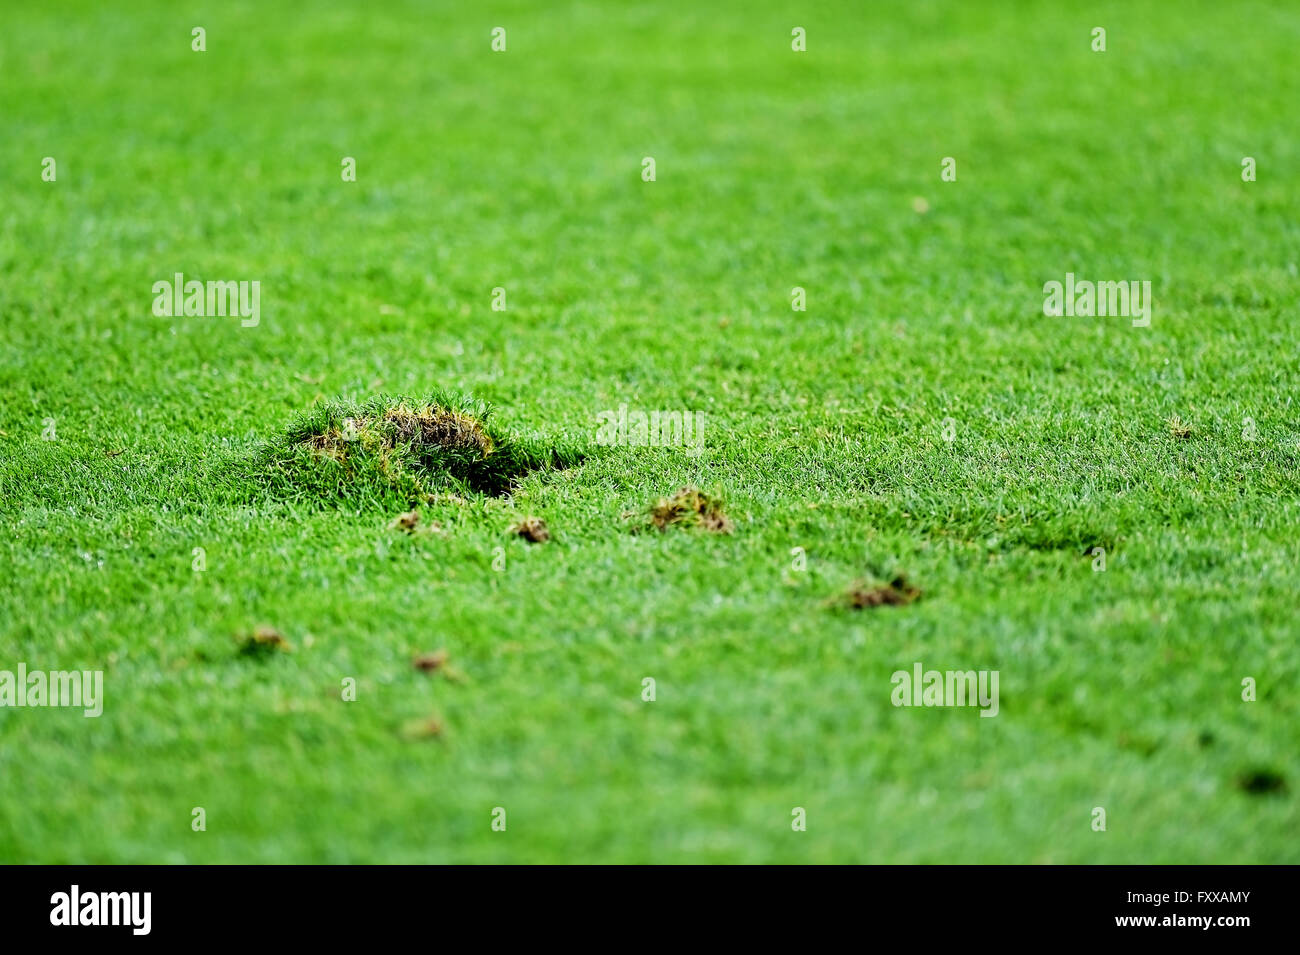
(532,529)
(407,521)
(413,448)
(263,642)
(897,593)
(413,524)
(689,507)
(436,662)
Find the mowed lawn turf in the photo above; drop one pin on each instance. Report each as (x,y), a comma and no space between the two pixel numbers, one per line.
(825,430)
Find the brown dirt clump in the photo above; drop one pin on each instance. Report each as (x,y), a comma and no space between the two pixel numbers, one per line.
(690,507)
(406,522)
(413,523)
(897,593)
(532,529)
(263,641)
(428,662)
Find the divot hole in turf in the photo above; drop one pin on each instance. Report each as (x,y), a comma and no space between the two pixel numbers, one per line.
(1261,781)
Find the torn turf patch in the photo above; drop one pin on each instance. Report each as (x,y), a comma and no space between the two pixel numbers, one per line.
(897,593)
(690,507)
(263,642)
(420,449)
(532,529)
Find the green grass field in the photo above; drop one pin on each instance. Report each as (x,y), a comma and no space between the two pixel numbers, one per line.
(826,430)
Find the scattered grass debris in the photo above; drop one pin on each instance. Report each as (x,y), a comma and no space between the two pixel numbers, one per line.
(428,662)
(264,642)
(690,507)
(532,529)
(897,593)
(436,662)
(405,522)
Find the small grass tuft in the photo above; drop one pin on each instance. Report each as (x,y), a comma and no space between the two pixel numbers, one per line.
(263,642)
(690,507)
(407,521)
(436,662)
(532,529)
(897,593)
(428,662)
(1180,429)
(428,727)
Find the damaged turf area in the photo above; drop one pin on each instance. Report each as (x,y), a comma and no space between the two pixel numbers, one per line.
(689,507)
(410,448)
(918,416)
